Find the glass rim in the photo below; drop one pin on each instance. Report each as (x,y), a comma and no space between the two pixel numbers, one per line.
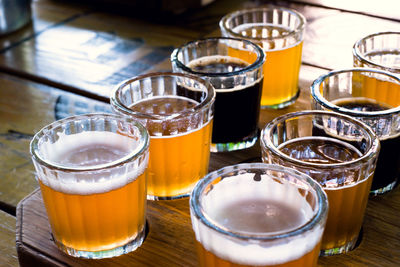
(360,56)
(201,185)
(258,63)
(121,107)
(224,20)
(137,152)
(266,143)
(321,100)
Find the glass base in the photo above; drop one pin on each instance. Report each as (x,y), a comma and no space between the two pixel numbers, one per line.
(226,147)
(150,197)
(129,247)
(340,250)
(283,104)
(383,190)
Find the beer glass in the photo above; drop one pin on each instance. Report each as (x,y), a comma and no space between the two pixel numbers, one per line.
(234,68)
(258,215)
(372,96)
(177,110)
(337,151)
(379,51)
(91,172)
(280,33)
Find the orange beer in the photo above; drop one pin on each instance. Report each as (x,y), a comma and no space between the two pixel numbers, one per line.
(177,110)
(91,172)
(345,221)
(257,215)
(281,68)
(279,31)
(97,221)
(179,156)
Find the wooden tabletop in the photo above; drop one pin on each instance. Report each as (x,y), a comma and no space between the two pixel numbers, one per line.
(68,59)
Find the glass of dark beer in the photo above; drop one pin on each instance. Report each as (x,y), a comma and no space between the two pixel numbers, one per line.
(337,151)
(372,96)
(258,215)
(234,68)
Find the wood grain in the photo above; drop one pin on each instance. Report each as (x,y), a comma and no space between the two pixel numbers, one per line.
(170,241)
(90,52)
(8,252)
(26,107)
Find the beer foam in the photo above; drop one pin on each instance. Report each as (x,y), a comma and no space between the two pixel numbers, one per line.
(89,154)
(213,59)
(255,253)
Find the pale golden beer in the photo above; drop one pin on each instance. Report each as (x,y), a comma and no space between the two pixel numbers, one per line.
(91,171)
(280,32)
(258,215)
(177,110)
(177,161)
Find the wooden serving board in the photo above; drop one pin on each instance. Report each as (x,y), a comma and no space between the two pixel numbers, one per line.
(170,240)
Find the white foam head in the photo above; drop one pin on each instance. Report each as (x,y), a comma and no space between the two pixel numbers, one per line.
(89,155)
(256,252)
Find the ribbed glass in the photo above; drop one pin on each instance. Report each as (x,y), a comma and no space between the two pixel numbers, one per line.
(234,68)
(372,96)
(280,33)
(258,215)
(379,50)
(91,171)
(337,151)
(177,110)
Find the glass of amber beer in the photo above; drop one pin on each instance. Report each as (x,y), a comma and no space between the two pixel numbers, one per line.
(258,215)
(177,110)
(337,151)
(280,32)
(372,96)
(234,68)
(379,51)
(91,171)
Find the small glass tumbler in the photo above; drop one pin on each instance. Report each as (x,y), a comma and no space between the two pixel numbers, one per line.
(337,151)
(280,33)
(234,68)
(177,110)
(372,96)
(258,215)
(379,51)
(91,171)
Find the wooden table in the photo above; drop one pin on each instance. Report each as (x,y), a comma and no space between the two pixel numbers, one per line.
(69,58)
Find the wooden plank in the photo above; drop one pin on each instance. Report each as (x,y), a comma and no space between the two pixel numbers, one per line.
(94,52)
(170,241)
(45,14)
(91,52)
(8,252)
(26,107)
(385,8)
